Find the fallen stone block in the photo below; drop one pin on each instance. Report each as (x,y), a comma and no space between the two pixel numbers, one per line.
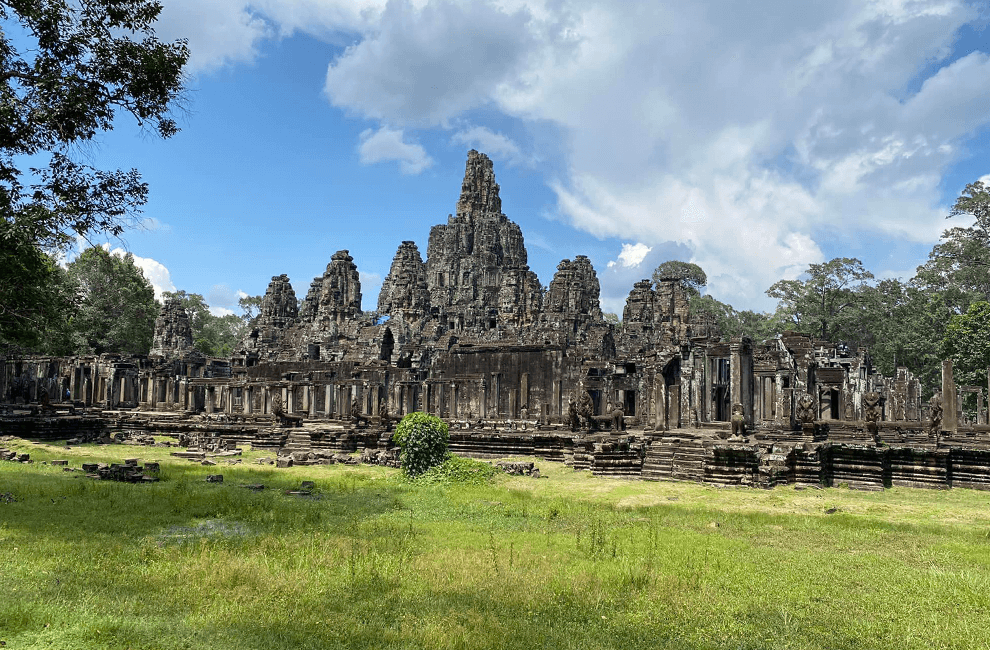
(214,478)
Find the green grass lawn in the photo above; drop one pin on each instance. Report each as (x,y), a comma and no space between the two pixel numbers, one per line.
(566,561)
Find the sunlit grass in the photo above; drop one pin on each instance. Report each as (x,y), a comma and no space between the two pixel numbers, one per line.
(370,559)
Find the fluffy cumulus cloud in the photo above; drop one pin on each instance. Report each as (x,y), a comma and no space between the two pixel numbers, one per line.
(746,134)
(745,137)
(387,144)
(219,31)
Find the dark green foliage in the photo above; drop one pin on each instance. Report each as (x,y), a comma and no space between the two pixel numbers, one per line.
(423,440)
(36,304)
(117,307)
(691,276)
(66,69)
(967,343)
(732,323)
(826,304)
(958,267)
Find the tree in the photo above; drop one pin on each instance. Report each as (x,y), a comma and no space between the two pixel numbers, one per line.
(250,307)
(958,268)
(825,305)
(422,441)
(967,343)
(689,275)
(732,323)
(66,69)
(35,301)
(117,307)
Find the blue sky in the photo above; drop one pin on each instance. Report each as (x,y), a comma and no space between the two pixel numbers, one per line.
(750,138)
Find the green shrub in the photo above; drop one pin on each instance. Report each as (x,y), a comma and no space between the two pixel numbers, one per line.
(455,469)
(422,439)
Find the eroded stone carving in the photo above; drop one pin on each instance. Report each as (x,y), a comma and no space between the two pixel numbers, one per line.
(173,332)
(872,412)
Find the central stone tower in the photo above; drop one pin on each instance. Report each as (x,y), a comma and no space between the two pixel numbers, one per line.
(476,268)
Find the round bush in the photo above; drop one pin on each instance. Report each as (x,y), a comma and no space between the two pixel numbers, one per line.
(422,439)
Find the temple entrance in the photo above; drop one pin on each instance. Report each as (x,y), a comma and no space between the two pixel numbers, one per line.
(629,405)
(388,345)
(596,401)
(721,390)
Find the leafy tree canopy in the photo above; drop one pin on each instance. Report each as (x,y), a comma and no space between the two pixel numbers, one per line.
(691,276)
(958,268)
(117,307)
(827,303)
(967,343)
(66,69)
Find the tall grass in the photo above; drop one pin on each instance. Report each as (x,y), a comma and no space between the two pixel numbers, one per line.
(370,559)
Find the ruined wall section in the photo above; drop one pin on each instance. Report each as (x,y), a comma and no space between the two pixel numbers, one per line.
(572,314)
(279,311)
(476,267)
(173,331)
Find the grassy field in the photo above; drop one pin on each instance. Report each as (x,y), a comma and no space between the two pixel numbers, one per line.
(565,561)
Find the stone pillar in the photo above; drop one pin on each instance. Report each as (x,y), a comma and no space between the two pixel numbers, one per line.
(328,399)
(981,417)
(210,393)
(246,403)
(950,416)
(289,398)
(311,401)
(453,400)
(513,403)
(524,392)
(557,407)
(483,398)
(741,376)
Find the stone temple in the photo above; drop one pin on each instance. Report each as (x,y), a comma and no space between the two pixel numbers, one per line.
(471,335)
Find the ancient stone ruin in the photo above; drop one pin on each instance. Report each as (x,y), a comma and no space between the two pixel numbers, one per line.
(471,335)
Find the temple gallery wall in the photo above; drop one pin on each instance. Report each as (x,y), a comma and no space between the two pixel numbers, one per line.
(471,335)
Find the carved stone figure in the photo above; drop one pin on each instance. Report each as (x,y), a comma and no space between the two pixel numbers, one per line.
(806,409)
(524,412)
(618,419)
(935,421)
(356,417)
(586,410)
(281,417)
(738,421)
(572,415)
(386,420)
(871,412)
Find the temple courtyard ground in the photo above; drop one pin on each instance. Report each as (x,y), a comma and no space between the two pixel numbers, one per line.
(365,558)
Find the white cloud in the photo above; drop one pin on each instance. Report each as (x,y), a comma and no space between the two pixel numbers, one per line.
(220,32)
(494,144)
(386,145)
(423,65)
(631,255)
